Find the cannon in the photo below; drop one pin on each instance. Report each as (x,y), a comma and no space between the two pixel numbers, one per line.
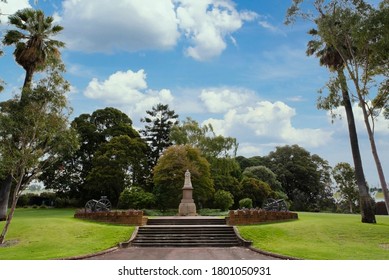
(101,205)
(275,205)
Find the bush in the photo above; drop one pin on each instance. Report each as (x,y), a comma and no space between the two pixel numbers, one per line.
(135,198)
(255,189)
(223,200)
(246,203)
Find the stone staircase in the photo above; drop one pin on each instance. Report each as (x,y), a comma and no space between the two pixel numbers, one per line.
(186,232)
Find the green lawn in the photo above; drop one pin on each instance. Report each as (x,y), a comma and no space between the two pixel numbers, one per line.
(321,236)
(54,233)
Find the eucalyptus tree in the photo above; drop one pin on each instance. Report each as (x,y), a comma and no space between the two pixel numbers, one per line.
(359,35)
(34,135)
(338,54)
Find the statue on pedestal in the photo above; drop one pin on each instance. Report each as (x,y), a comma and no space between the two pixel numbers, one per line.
(187,206)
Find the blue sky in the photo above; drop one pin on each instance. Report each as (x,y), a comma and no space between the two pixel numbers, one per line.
(231,63)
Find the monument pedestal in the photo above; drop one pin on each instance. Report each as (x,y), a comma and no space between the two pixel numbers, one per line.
(187,206)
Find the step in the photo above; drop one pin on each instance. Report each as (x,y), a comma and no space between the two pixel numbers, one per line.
(189,244)
(186,236)
(186,221)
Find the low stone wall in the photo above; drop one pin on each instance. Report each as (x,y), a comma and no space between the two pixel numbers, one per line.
(129,217)
(255,216)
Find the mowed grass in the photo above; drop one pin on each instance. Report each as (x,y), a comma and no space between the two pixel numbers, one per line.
(41,234)
(321,236)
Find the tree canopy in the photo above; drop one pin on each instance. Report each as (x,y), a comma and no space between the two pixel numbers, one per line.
(169,176)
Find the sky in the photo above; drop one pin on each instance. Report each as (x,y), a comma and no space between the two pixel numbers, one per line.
(230,63)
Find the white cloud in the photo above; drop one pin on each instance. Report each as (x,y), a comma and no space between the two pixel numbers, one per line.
(220,100)
(265,122)
(135,25)
(11,7)
(128,90)
(130,25)
(207,23)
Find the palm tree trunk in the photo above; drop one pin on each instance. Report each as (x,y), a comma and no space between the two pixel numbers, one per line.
(374,151)
(367,212)
(27,84)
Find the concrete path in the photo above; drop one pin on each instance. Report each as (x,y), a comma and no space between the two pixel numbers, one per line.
(201,253)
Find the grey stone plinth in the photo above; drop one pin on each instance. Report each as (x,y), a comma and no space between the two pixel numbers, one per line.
(187,206)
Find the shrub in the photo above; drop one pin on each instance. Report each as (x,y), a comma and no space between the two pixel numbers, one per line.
(246,203)
(135,198)
(255,189)
(223,200)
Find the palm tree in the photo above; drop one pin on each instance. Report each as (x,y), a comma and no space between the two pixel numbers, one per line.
(331,58)
(34,46)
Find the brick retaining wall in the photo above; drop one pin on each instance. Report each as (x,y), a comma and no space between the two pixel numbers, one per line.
(254,216)
(129,217)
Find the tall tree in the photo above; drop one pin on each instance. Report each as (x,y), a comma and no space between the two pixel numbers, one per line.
(330,56)
(360,37)
(34,51)
(304,177)
(33,135)
(158,125)
(68,176)
(33,42)
(116,165)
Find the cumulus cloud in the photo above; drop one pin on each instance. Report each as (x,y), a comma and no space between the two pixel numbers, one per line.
(207,23)
(220,100)
(128,90)
(265,122)
(11,7)
(134,25)
(130,25)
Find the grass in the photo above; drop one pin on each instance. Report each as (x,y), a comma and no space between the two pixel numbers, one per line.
(53,234)
(320,236)
(37,234)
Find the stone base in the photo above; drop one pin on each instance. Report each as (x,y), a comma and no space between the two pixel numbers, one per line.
(187,209)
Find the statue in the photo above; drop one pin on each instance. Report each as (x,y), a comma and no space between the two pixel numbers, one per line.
(187,206)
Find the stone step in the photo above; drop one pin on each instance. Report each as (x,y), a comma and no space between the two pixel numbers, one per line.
(190,228)
(186,236)
(189,244)
(186,221)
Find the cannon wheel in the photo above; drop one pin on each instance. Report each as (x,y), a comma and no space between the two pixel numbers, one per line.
(90,206)
(283,206)
(103,205)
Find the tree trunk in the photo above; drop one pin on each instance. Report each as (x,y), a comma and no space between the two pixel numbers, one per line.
(27,83)
(375,152)
(364,197)
(5,190)
(15,198)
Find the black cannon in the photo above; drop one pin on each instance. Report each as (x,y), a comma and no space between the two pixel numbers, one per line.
(275,205)
(101,205)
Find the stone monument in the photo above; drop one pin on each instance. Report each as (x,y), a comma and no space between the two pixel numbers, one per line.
(187,206)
